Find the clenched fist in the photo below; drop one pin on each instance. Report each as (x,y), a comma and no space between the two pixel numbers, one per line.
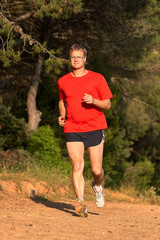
(61,121)
(88,99)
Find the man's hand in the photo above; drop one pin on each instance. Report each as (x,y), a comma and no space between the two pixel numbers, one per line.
(88,99)
(103,104)
(61,121)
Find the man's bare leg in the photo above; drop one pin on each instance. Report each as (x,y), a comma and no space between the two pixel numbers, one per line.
(96,157)
(76,154)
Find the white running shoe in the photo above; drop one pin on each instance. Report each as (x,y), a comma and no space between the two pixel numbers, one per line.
(99,197)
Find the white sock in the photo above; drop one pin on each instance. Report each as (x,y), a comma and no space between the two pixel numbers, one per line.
(80,198)
(98,188)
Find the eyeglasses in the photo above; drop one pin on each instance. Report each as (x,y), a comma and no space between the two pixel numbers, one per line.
(78,57)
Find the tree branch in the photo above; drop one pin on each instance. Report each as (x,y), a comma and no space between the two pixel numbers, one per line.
(28,38)
(25,16)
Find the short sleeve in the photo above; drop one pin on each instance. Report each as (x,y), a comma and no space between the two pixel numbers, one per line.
(61,93)
(103,89)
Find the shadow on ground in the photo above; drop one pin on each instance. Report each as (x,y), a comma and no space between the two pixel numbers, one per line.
(65,207)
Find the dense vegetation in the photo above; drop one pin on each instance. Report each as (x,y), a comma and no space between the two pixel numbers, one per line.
(123,42)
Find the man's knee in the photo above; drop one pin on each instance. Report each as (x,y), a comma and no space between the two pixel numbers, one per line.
(77,166)
(97,171)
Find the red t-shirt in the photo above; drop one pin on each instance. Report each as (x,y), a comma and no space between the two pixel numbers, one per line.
(83,117)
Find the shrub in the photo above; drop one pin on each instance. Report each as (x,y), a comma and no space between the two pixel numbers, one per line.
(13,131)
(17,159)
(117,149)
(140,175)
(44,146)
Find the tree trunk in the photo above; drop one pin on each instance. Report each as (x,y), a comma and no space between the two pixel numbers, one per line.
(34,115)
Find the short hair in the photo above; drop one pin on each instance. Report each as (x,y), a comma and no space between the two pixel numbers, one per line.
(78,47)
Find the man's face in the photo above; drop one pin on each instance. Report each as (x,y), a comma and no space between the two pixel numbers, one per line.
(77,59)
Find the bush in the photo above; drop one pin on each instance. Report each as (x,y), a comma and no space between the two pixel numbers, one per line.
(139,175)
(13,131)
(17,159)
(117,149)
(44,146)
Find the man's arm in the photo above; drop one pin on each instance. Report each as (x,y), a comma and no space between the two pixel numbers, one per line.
(104,104)
(62,111)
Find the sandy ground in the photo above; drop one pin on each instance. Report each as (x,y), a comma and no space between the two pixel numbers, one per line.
(40,219)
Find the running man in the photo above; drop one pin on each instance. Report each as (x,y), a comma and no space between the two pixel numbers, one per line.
(83,93)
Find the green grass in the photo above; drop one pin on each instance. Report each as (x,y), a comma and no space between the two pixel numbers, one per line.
(61,185)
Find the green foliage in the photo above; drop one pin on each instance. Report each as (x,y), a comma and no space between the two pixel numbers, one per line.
(11,51)
(8,52)
(4,28)
(126,51)
(151,195)
(117,149)
(45,149)
(143,23)
(37,47)
(53,65)
(139,175)
(137,120)
(156,178)
(56,8)
(15,160)
(13,131)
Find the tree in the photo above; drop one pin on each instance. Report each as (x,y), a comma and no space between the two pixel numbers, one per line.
(122,38)
(15,43)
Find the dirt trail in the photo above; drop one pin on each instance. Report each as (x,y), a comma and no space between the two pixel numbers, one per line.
(27,219)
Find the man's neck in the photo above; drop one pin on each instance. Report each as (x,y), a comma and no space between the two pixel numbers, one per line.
(79,72)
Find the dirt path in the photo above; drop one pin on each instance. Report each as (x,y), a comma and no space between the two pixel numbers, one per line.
(23,218)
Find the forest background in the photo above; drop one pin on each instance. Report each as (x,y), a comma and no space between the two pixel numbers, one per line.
(123,42)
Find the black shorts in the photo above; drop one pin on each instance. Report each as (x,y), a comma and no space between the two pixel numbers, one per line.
(89,139)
